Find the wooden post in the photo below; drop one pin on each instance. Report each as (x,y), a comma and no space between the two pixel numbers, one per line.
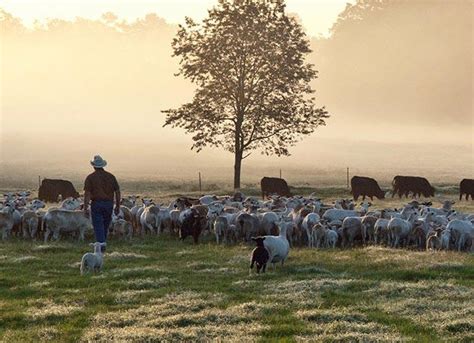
(39,182)
(200,183)
(347,177)
(280,173)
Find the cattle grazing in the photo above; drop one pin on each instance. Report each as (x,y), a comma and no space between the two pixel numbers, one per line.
(466,187)
(403,185)
(274,185)
(365,187)
(51,190)
(260,255)
(193,223)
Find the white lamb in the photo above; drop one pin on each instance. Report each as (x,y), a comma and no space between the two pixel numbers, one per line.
(331,238)
(92,262)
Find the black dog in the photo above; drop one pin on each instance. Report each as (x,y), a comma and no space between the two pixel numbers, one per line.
(260,255)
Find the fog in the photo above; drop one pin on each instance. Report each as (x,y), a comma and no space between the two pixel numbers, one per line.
(396,80)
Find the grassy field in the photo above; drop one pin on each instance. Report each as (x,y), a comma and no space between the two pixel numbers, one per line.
(160,289)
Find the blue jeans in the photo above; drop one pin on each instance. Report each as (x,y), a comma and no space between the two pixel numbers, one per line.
(101,213)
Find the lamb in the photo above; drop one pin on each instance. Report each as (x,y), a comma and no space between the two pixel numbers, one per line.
(331,238)
(318,235)
(445,239)
(93,262)
(400,229)
(308,223)
(150,219)
(220,227)
(381,233)
(352,228)
(268,222)
(6,221)
(462,232)
(260,255)
(121,227)
(29,224)
(433,242)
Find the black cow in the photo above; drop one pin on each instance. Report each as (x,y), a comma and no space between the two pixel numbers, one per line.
(51,189)
(193,224)
(466,187)
(403,185)
(365,186)
(274,185)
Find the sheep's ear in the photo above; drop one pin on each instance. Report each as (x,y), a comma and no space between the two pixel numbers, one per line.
(91,244)
(254,239)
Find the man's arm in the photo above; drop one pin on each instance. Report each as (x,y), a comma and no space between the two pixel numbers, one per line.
(87,198)
(118,198)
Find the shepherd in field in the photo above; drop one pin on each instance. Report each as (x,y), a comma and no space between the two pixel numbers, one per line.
(100,188)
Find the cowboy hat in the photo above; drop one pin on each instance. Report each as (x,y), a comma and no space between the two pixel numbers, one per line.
(98,162)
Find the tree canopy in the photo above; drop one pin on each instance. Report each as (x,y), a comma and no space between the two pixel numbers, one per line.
(247,59)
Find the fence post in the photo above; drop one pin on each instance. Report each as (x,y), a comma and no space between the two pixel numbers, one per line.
(39,182)
(347,177)
(200,182)
(280,173)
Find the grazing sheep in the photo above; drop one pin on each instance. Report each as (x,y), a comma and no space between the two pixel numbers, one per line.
(6,221)
(352,229)
(230,236)
(93,262)
(399,229)
(260,255)
(220,227)
(57,221)
(307,225)
(248,226)
(121,228)
(433,242)
(368,222)
(151,220)
(318,235)
(381,234)
(331,238)
(29,224)
(338,214)
(462,232)
(445,240)
(277,246)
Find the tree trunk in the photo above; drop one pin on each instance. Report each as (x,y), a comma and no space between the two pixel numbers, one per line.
(237,169)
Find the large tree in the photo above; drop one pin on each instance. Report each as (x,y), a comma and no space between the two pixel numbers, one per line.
(247,59)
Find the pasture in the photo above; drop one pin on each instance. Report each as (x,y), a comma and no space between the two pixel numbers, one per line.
(162,289)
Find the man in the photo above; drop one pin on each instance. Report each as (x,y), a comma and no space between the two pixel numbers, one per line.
(100,188)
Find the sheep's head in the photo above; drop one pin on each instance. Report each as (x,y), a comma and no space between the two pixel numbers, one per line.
(258,240)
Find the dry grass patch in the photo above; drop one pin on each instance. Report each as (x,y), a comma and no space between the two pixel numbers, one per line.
(187,316)
(123,255)
(46,308)
(346,325)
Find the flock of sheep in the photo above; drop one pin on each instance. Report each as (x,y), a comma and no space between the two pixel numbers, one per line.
(280,222)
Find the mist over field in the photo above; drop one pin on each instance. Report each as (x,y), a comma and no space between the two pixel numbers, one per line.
(396,80)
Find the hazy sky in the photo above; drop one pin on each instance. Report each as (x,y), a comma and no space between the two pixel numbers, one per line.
(398,85)
(317,15)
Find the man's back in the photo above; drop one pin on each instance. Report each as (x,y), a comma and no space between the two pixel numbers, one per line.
(101,184)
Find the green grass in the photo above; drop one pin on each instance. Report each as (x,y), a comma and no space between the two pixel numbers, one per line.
(163,289)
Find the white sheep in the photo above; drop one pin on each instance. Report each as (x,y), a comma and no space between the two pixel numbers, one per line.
(331,238)
(278,246)
(93,262)
(307,225)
